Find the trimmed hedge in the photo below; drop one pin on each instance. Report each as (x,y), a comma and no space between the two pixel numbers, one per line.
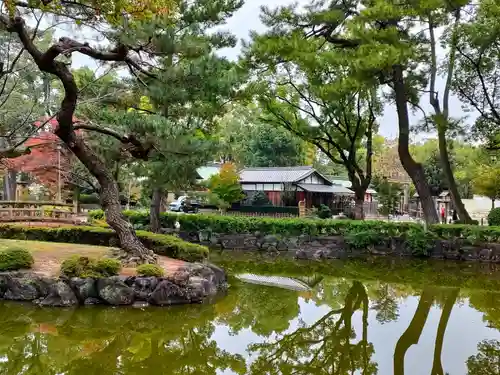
(267,209)
(150,270)
(80,266)
(15,258)
(296,226)
(161,244)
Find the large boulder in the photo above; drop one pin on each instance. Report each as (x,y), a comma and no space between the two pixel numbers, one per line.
(84,288)
(215,276)
(61,295)
(114,291)
(167,293)
(143,287)
(27,288)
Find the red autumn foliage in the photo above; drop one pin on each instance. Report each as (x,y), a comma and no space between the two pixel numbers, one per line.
(42,162)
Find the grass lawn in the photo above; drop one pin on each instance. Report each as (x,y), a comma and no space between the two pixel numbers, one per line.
(49,255)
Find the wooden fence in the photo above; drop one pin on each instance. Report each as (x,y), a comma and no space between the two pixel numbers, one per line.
(15,211)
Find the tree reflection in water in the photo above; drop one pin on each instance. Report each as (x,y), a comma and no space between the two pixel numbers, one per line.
(183,339)
(325,347)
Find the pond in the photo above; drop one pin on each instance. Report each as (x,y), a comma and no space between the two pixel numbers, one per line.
(400,319)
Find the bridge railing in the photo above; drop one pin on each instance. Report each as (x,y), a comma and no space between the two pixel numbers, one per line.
(11,211)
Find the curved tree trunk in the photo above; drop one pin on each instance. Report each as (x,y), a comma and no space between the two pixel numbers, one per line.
(110,198)
(108,193)
(437,366)
(414,169)
(412,334)
(463,215)
(155,209)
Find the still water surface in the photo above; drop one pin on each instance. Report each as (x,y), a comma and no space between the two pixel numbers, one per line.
(341,326)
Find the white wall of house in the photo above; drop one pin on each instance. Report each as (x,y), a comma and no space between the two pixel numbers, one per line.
(262,187)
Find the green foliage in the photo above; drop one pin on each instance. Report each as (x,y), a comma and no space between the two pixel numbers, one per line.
(225,186)
(81,266)
(494,217)
(362,239)
(107,266)
(419,242)
(260,199)
(161,244)
(389,195)
(298,226)
(487,181)
(15,258)
(245,140)
(324,212)
(150,270)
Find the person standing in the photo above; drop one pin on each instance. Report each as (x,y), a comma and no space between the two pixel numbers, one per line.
(443,215)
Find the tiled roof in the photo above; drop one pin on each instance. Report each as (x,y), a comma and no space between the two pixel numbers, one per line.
(334,189)
(275,174)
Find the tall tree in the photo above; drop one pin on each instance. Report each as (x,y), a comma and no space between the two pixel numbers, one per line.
(437,16)
(380,45)
(245,140)
(305,88)
(478,67)
(139,38)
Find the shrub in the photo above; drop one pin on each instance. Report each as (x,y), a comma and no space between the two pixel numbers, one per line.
(150,270)
(298,226)
(108,266)
(324,212)
(362,239)
(15,258)
(80,266)
(420,243)
(161,244)
(494,217)
(260,199)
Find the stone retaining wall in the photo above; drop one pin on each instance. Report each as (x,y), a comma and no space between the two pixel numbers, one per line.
(193,283)
(334,247)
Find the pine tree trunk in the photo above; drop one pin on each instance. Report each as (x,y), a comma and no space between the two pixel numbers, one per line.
(414,169)
(110,201)
(463,215)
(155,209)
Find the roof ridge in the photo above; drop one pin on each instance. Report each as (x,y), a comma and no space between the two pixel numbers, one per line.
(277,168)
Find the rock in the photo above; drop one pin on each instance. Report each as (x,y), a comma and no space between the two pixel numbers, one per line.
(168,293)
(199,288)
(180,277)
(21,289)
(220,278)
(269,241)
(144,286)
(204,235)
(114,291)
(301,254)
(92,301)
(321,254)
(84,288)
(61,295)
(485,254)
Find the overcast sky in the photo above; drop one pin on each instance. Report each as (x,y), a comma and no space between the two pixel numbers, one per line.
(247,19)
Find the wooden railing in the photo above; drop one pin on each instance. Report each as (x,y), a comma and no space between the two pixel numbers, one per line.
(12,211)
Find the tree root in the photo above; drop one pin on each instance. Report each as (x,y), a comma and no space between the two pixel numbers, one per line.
(133,260)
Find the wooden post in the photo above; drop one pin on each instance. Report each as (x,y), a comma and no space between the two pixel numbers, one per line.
(302,208)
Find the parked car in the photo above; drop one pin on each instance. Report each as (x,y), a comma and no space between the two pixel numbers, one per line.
(184,204)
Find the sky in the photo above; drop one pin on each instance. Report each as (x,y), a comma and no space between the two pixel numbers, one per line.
(247,19)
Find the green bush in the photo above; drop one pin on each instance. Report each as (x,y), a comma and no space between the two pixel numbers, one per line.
(150,270)
(80,266)
(494,217)
(362,239)
(324,212)
(108,266)
(161,244)
(299,226)
(15,258)
(419,242)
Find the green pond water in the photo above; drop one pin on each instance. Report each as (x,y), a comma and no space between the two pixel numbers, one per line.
(357,318)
